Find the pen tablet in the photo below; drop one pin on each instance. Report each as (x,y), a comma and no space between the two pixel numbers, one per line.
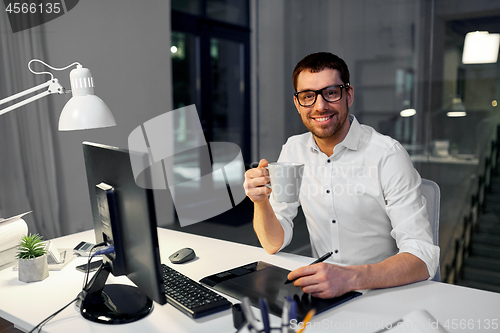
(263,280)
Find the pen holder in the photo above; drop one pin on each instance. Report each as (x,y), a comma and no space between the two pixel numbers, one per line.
(239,319)
(245,321)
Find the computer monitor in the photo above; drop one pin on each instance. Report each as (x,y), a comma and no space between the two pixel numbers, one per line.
(124,216)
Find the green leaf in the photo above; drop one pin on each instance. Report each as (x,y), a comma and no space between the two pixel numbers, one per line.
(30,247)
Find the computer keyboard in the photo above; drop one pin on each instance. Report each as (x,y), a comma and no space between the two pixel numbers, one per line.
(191,297)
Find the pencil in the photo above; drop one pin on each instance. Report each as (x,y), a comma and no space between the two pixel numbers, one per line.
(307,319)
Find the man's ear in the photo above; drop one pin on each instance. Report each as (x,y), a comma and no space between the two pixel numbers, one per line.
(350,96)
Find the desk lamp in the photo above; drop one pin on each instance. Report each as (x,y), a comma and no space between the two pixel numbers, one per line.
(83,111)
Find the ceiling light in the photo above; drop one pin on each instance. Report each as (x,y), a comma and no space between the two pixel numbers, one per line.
(481,47)
(408,113)
(454,114)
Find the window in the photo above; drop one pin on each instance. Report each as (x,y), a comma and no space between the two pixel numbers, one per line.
(210,65)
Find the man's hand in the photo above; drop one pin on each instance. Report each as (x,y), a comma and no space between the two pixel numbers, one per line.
(266,225)
(328,280)
(323,280)
(255,181)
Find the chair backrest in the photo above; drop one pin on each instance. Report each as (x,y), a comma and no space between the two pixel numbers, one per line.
(430,191)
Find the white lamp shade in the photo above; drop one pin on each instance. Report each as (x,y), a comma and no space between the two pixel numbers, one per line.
(481,47)
(85,112)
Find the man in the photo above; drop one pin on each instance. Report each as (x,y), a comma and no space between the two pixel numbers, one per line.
(360,193)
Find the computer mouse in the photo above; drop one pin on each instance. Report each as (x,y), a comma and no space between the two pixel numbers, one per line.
(183,255)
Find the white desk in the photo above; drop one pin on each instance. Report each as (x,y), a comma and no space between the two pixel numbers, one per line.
(26,305)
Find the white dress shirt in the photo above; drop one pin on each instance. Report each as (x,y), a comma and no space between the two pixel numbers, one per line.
(363,202)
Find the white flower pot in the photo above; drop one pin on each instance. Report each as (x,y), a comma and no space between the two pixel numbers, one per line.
(32,270)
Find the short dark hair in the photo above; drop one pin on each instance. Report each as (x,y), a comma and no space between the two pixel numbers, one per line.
(316,62)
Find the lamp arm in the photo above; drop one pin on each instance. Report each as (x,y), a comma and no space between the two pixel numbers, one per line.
(53,87)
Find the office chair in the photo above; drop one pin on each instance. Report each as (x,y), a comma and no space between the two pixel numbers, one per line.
(431,193)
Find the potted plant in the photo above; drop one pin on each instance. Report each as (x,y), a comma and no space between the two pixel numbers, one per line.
(32,257)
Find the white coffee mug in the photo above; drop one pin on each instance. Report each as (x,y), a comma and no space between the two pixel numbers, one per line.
(286,178)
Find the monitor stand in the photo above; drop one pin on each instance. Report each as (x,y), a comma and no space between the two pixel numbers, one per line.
(113,303)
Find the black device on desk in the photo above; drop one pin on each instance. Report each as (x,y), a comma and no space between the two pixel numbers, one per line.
(261,280)
(93,266)
(124,216)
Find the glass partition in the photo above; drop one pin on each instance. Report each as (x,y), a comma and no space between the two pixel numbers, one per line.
(415,81)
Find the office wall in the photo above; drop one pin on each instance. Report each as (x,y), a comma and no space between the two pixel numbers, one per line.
(126,45)
(269,74)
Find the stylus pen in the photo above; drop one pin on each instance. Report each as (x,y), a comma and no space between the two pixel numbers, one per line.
(320,259)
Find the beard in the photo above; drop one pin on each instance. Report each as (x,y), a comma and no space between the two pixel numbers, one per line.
(324,132)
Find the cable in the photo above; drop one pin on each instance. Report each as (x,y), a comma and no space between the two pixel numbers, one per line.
(91,256)
(54,68)
(46,320)
(109,249)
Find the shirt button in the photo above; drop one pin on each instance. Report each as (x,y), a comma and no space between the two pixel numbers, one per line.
(327,191)
(328,161)
(336,251)
(333,221)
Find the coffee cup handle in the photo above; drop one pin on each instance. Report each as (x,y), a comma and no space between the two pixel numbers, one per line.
(267,185)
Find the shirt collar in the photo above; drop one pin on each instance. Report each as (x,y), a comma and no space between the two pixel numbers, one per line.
(312,143)
(352,138)
(350,141)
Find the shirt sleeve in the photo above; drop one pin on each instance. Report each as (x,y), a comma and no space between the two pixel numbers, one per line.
(406,208)
(285,212)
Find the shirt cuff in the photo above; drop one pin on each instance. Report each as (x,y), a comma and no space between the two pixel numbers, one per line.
(285,213)
(426,252)
(287,230)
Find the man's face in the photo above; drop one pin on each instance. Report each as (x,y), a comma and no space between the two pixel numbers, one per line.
(324,119)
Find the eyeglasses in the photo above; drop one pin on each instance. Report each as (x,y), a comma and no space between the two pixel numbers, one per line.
(330,94)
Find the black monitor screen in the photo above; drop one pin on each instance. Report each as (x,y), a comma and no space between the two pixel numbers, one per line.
(124,215)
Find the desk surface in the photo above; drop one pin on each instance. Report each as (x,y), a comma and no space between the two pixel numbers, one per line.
(26,305)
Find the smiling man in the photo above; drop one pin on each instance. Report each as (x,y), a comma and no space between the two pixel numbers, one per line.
(360,193)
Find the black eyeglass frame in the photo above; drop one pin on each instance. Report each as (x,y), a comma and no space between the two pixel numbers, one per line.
(320,91)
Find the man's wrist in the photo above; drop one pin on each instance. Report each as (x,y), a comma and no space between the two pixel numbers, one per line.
(262,202)
(356,277)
